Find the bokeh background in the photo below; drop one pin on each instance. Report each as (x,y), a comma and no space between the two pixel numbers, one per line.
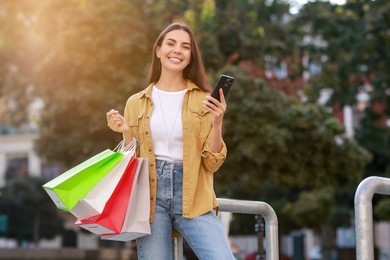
(307,119)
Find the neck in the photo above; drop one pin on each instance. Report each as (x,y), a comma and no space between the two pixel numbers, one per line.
(171,82)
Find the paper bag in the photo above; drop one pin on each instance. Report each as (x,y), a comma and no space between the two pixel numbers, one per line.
(114,212)
(136,222)
(71,186)
(93,203)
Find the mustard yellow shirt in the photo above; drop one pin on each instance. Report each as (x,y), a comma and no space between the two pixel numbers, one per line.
(199,162)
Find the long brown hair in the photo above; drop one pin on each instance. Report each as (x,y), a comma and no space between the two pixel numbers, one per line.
(194,71)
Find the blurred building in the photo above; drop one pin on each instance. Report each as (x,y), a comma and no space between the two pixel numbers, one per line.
(17,156)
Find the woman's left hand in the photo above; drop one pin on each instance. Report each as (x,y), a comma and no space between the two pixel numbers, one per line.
(216,108)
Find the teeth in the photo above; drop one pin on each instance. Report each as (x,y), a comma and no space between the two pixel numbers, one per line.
(174,59)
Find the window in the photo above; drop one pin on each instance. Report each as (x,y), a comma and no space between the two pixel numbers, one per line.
(17,165)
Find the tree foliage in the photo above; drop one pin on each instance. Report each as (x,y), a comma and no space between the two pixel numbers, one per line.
(17,57)
(276,137)
(30,211)
(96,58)
(298,148)
(357,62)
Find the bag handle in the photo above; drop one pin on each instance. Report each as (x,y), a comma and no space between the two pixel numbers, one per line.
(131,147)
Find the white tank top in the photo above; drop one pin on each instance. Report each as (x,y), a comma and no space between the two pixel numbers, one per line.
(166,124)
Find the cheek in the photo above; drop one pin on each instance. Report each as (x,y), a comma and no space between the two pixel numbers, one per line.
(189,58)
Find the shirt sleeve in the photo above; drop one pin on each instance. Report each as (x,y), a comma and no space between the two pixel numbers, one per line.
(212,161)
(128,113)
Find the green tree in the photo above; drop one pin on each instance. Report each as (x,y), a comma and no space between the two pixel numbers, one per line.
(374,133)
(17,57)
(355,59)
(97,56)
(291,154)
(277,137)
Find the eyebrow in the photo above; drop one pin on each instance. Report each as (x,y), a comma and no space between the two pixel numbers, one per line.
(170,39)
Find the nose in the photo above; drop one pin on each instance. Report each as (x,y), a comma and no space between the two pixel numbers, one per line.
(177,49)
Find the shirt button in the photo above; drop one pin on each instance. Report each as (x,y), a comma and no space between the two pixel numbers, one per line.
(151,165)
(147,117)
(150,150)
(146,132)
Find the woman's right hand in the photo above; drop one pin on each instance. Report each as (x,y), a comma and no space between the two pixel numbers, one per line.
(117,122)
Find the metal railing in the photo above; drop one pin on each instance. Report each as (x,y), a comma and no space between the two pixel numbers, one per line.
(246,207)
(363,214)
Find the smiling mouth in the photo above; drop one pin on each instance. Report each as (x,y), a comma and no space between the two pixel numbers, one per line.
(175,59)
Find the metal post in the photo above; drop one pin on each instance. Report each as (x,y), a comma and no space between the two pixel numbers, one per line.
(363,214)
(259,228)
(270,218)
(246,207)
(178,248)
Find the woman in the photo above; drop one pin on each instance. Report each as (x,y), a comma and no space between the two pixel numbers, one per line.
(179,127)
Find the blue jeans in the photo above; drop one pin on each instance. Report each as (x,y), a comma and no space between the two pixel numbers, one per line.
(204,234)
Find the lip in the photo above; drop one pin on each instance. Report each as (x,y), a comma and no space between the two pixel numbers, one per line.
(175,59)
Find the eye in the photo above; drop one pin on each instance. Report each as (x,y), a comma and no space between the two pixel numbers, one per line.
(186,47)
(170,44)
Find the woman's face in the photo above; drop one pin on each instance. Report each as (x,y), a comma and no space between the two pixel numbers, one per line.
(175,51)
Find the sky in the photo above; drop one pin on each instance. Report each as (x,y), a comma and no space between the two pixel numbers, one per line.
(339,2)
(297,3)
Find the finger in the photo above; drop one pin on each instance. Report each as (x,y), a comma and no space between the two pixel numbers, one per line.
(116,117)
(215,110)
(215,104)
(210,104)
(110,113)
(213,100)
(222,97)
(212,111)
(118,122)
(111,122)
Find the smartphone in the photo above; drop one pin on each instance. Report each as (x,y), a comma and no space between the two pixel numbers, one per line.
(225,82)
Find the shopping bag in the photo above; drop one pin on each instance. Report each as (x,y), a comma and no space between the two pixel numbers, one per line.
(93,203)
(111,219)
(68,188)
(136,222)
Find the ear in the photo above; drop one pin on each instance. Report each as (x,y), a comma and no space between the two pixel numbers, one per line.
(158,52)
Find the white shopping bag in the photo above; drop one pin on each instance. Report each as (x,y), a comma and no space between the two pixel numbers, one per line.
(111,220)
(136,223)
(93,203)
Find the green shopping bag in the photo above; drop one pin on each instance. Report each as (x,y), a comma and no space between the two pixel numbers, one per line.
(71,186)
